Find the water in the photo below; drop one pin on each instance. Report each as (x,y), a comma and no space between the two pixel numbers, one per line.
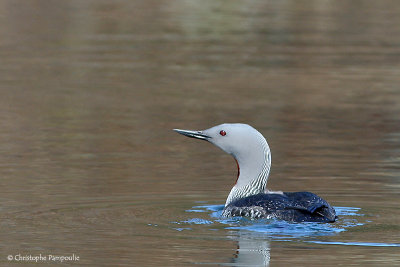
(278,229)
(89,93)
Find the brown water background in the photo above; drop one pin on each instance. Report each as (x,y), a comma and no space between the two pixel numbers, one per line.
(89,93)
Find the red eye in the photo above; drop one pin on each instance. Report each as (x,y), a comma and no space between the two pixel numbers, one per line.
(222,132)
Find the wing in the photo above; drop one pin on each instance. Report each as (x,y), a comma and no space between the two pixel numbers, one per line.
(313,204)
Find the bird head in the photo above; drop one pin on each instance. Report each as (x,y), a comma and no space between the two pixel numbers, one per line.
(237,139)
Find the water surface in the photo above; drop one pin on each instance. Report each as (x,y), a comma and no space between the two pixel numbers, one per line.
(89,93)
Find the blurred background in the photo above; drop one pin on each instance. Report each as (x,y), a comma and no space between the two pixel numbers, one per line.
(90,90)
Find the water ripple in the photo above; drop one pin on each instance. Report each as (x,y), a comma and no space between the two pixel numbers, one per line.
(363,244)
(281,230)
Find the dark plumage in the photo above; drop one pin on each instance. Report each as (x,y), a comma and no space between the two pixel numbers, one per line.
(296,207)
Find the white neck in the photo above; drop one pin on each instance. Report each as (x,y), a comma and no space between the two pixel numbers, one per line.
(254,165)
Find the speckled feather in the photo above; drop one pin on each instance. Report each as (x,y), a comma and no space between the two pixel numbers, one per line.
(296,207)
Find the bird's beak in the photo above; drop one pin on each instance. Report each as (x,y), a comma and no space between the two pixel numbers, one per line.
(193,134)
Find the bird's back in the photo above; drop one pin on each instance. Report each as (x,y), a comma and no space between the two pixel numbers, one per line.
(296,206)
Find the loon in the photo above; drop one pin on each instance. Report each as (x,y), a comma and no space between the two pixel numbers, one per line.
(249,196)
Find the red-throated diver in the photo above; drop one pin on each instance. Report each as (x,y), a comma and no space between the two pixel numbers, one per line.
(250,197)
